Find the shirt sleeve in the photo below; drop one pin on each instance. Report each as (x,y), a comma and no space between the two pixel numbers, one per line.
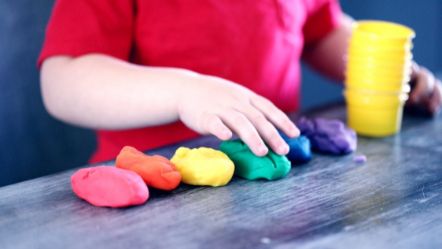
(78,27)
(323,17)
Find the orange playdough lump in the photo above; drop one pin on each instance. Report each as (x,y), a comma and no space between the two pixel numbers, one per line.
(156,171)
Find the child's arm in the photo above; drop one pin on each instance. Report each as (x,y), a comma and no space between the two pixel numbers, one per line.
(101,92)
(328,56)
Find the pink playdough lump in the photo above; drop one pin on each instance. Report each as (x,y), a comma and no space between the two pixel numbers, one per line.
(105,186)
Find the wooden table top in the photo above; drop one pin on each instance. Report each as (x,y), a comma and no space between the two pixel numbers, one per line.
(394,200)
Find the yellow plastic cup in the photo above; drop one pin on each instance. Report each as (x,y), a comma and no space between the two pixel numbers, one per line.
(378,70)
(396,55)
(355,45)
(358,40)
(384,60)
(374,122)
(379,67)
(380,41)
(380,55)
(367,61)
(386,74)
(375,86)
(380,99)
(395,93)
(361,71)
(366,84)
(389,32)
(376,114)
(377,77)
(361,85)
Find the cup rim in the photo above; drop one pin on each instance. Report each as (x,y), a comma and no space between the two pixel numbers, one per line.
(361,36)
(381,45)
(368,27)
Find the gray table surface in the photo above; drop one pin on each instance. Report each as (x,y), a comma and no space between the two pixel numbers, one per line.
(392,201)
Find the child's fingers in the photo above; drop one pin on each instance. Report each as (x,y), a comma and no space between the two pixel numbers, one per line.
(424,85)
(213,125)
(276,116)
(435,102)
(245,130)
(266,129)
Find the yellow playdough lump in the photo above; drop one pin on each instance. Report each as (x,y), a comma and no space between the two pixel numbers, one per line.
(203,166)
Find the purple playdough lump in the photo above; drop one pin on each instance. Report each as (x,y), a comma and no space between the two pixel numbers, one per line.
(360,159)
(328,135)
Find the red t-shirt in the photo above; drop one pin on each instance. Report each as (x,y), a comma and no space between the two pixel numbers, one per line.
(255,43)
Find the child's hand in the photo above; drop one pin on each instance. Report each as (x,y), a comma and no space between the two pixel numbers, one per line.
(426,90)
(219,107)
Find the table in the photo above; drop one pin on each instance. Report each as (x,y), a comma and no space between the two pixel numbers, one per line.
(394,200)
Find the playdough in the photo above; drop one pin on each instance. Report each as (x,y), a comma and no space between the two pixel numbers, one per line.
(106,186)
(252,167)
(328,136)
(156,171)
(203,166)
(300,149)
(360,159)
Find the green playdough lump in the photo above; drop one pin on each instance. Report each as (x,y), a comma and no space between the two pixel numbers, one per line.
(251,167)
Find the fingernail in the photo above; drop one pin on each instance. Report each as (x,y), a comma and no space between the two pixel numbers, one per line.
(283,149)
(227,134)
(294,132)
(262,150)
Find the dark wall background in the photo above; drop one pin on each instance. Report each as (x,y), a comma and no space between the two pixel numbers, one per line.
(33,144)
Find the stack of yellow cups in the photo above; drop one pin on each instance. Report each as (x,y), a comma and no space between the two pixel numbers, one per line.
(377,76)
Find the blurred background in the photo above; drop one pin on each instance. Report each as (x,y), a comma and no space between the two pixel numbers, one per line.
(34,144)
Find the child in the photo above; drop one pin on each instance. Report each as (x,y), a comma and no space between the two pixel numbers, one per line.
(142,71)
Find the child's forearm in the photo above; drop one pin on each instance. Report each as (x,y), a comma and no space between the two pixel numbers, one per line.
(98,91)
(328,55)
